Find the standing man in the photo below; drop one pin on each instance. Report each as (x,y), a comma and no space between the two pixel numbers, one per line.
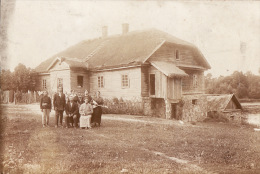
(45,106)
(59,102)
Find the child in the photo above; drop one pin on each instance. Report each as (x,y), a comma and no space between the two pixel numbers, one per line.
(45,106)
(86,111)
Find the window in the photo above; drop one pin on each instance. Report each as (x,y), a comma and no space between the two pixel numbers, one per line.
(195,80)
(100,81)
(152,84)
(194,101)
(44,84)
(125,81)
(177,55)
(60,82)
(80,81)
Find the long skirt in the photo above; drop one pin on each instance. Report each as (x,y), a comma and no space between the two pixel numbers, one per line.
(97,113)
(85,121)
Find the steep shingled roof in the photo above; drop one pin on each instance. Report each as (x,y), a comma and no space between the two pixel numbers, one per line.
(220,102)
(131,48)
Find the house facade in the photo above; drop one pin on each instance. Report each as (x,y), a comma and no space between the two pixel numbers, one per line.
(164,73)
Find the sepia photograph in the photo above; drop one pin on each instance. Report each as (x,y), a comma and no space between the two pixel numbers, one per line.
(132,87)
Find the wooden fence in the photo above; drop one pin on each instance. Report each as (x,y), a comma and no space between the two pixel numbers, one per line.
(19,97)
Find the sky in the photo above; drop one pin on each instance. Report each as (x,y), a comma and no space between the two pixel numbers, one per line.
(227,33)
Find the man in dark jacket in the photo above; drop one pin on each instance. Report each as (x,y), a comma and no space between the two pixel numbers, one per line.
(71,112)
(45,106)
(59,103)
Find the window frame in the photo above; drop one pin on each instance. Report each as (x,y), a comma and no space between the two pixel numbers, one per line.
(100,82)
(44,84)
(123,81)
(194,101)
(195,80)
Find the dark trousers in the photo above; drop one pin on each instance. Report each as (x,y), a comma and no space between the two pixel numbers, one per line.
(58,117)
(68,120)
(73,120)
(76,120)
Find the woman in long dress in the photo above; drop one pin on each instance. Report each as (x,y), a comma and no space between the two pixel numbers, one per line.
(97,109)
(85,111)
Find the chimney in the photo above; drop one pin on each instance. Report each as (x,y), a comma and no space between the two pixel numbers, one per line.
(125,28)
(104,31)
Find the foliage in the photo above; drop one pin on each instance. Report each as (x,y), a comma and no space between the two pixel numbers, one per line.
(120,106)
(22,79)
(242,85)
(7,78)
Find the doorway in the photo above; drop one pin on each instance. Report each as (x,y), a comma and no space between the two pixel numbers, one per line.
(152,84)
(174,111)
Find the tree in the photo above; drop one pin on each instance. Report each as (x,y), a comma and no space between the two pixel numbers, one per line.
(7,80)
(22,79)
(243,85)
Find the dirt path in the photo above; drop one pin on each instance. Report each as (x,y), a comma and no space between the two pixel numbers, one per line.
(117,117)
(49,148)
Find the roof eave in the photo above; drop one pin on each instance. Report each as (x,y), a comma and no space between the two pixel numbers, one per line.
(122,66)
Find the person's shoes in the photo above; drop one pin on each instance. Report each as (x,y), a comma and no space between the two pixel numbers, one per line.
(66,127)
(43,125)
(56,126)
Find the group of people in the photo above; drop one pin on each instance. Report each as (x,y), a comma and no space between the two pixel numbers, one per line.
(80,111)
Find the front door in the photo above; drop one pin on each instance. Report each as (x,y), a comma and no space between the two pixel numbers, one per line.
(152,84)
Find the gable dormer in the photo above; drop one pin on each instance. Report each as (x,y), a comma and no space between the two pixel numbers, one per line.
(181,55)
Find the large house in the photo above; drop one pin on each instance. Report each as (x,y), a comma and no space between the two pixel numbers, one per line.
(163,72)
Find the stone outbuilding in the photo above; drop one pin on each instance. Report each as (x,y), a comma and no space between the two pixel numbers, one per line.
(226,105)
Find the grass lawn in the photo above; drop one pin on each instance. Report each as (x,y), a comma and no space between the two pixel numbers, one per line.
(118,146)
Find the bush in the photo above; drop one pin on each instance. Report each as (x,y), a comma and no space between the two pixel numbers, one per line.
(120,106)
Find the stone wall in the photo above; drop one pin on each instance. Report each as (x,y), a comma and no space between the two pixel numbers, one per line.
(168,109)
(147,106)
(235,116)
(196,111)
(185,109)
(154,107)
(158,107)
